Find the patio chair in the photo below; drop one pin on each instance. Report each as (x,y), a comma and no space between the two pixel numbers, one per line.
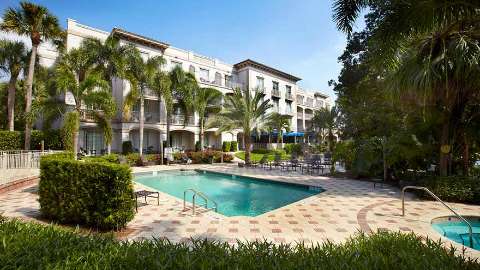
(277,162)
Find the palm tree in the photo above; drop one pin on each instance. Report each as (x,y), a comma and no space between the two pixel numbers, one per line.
(205,100)
(431,47)
(326,121)
(111,59)
(75,74)
(242,110)
(161,86)
(39,24)
(278,122)
(141,75)
(13,57)
(182,87)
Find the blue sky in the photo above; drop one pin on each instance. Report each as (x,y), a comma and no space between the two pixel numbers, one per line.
(298,37)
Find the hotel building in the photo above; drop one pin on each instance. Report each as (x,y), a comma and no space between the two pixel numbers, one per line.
(278,86)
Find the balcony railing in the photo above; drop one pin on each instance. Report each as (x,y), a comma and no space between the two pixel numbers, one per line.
(179,119)
(226,84)
(299,116)
(308,116)
(299,101)
(288,96)
(150,93)
(87,115)
(275,93)
(309,103)
(148,117)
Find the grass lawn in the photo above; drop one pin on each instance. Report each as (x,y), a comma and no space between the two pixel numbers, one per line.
(257,156)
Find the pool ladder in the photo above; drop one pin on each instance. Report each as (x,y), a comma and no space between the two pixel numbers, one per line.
(470,229)
(201,195)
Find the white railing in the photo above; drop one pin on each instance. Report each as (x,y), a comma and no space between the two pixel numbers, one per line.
(17,164)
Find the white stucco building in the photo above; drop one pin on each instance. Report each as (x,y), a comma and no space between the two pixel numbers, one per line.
(278,86)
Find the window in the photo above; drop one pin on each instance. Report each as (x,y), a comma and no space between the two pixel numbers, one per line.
(176,64)
(204,74)
(275,85)
(191,69)
(228,81)
(260,82)
(289,107)
(288,89)
(218,78)
(276,105)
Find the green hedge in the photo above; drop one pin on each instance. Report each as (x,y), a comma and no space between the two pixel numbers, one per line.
(36,246)
(96,194)
(454,188)
(226,146)
(234,146)
(14,140)
(293,149)
(112,158)
(11,140)
(127,147)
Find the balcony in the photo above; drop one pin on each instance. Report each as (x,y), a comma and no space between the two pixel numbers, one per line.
(148,117)
(87,115)
(309,103)
(218,83)
(150,93)
(308,116)
(299,116)
(289,96)
(275,93)
(179,119)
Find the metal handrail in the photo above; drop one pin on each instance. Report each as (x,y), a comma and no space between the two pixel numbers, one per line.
(470,229)
(203,196)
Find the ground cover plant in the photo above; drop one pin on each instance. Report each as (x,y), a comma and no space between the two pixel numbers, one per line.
(257,155)
(31,245)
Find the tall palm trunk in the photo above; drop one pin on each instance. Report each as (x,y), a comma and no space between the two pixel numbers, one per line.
(28,95)
(444,141)
(202,135)
(169,115)
(246,140)
(142,108)
(11,101)
(466,155)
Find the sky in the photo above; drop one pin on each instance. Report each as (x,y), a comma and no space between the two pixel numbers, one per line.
(298,37)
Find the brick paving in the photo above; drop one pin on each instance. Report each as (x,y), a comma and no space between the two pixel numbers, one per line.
(345,208)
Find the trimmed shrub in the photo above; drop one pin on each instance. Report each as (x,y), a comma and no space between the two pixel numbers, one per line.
(262,151)
(30,245)
(293,149)
(233,146)
(197,146)
(133,159)
(453,188)
(11,140)
(112,158)
(226,146)
(227,157)
(127,147)
(206,156)
(96,194)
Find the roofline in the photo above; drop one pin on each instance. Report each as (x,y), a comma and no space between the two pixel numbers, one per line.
(139,39)
(263,67)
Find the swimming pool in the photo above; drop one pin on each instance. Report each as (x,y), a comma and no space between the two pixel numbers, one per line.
(235,195)
(456,230)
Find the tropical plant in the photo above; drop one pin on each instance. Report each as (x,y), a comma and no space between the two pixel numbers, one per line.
(242,110)
(39,25)
(13,58)
(326,121)
(182,87)
(141,75)
(111,59)
(88,88)
(278,122)
(430,48)
(205,100)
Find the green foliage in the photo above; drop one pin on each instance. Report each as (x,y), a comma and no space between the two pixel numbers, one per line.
(294,149)
(453,188)
(127,147)
(29,245)
(96,194)
(61,155)
(345,153)
(258,156)
(112,158)
(197,146)
(133,159)
(70,126)
(234,146)
(226,146)
(207,156)
(11,140)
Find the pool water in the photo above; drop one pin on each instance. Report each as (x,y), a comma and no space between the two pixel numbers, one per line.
(235,195)
(458,232)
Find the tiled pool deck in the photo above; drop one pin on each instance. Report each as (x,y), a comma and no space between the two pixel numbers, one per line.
(346,207)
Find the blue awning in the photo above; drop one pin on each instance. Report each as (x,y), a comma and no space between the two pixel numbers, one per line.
(293,134)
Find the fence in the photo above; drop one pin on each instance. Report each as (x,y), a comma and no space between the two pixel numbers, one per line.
(18,164)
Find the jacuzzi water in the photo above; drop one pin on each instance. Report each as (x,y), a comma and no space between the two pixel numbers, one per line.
(458,231)
(235,195)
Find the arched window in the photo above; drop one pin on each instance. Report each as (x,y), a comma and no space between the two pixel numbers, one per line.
(191,69)
(218,78)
